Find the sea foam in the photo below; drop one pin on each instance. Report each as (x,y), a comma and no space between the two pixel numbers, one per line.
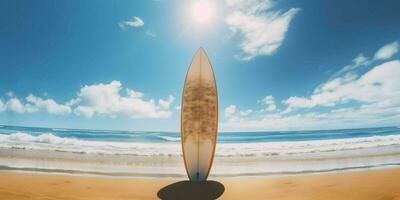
(50,142)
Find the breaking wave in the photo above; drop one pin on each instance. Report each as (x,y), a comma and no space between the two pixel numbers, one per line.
(48,141)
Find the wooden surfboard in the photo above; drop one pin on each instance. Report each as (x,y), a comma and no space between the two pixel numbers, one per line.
(199,117)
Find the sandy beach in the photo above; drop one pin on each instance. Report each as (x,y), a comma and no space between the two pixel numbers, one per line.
(375,184)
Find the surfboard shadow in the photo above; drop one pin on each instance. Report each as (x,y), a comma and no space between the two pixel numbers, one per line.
(201,190)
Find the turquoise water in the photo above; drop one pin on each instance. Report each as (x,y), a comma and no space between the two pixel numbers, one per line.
(168,143)
(224,137)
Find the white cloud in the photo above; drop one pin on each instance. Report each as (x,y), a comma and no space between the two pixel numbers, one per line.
(150,33)
(351,99)
(357,62)
(339,118)
(33,104)
(269,102)
(84,111)
(98,99)
(165,104)
(48,105)
(263,29)
(381,113)
(360,60)
(10,94)
(2,106)
(387,51)
(230,110)
(245,112)
(106,100)
(347,85)
(14,104)
(378,84)
(135,22)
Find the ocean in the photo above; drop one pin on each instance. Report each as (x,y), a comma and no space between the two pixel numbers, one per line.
(158,154)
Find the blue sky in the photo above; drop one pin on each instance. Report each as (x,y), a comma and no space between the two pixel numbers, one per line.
(280,65)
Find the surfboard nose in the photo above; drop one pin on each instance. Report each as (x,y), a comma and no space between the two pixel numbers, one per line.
(201,51)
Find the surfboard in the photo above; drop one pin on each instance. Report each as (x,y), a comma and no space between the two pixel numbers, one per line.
(199,117)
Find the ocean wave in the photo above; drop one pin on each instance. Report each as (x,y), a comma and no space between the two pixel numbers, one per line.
(81,130)
(61,129)
(169,138)
(48,141)
(51,142)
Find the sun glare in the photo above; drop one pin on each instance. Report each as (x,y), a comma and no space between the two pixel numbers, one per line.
(202,11)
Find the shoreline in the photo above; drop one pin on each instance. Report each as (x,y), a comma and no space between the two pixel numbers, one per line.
(344,185)
(66,163)
(164,176)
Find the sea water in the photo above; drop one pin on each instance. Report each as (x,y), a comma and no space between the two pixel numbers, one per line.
(237,153)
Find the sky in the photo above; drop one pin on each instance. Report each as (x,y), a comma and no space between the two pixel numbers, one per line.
(279,65)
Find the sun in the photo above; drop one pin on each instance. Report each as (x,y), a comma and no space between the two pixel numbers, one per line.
(202,11)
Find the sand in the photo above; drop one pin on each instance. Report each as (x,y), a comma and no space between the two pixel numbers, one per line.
(375,184)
